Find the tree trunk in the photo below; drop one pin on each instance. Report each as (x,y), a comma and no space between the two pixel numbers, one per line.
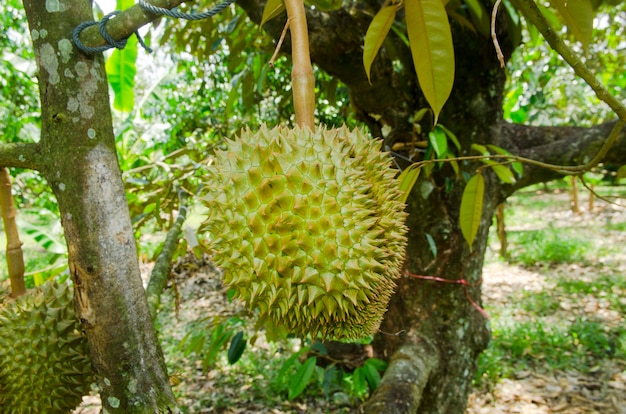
(79,160)
(434,330)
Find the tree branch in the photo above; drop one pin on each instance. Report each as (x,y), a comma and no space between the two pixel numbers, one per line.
(126,23)
(161,271)
(558,145)
(400,390)
(21,155)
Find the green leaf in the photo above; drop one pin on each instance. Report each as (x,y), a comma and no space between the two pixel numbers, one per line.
(237,346)
(439,142)
(359,384)
(376,34)
(453,162)
(480,148)
(407,180)
(450,136)
(273,8)
(371,375)
(431,47)
(504,174)
(431,244)
(377,363)
(302,378)
(472,208)
(517,166)
(578,16)
(121,69)
(480,17)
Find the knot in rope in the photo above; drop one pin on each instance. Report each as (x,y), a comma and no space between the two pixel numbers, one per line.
(111,43)
(120,44)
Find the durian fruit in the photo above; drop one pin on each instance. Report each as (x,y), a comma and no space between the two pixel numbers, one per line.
(44,359)
(308,227)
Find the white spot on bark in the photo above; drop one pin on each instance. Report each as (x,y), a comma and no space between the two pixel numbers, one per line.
(50,62)
(75,119)
(68,216)
(107,382)
(91,133)
(58,174)
(113,402)
(21,158)
(43,33)
(34,34)
(68,74)
(72,104)
(61,186)
(81,69)
(87,111)
(95,73)
(53,6)
(89,86)
(460,333)
(132,386)
(65,47)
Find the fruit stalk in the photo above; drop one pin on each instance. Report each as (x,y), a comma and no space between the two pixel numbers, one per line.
(302,80)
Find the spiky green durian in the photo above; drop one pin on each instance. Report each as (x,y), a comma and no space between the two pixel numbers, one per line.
(44,359)
(309,228)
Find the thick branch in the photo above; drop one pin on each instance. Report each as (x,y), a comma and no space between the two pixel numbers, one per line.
(557,145)
(400,390)
(21,155)
(126,23)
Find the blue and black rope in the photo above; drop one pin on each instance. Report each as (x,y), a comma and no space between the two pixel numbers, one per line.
(120,44)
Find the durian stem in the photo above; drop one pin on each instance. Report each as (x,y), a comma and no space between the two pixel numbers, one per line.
(302,80)
(15,256)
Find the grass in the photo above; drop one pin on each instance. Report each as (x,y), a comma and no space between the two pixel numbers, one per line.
(576,321)
(547,246)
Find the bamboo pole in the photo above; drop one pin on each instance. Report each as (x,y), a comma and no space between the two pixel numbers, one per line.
(15,256)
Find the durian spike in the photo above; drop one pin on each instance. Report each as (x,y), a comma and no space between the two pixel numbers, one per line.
(302,80)
(15,256)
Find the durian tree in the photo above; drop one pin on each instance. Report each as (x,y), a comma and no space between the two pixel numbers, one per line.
(433,331)
(76,154)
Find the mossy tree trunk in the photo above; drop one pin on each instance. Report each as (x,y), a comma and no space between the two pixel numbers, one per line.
(432,332)
(77,155)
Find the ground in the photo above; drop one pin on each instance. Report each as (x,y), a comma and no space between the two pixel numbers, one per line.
(557,309)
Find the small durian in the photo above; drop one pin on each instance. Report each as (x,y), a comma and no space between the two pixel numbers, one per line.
(308,227)
(44,358)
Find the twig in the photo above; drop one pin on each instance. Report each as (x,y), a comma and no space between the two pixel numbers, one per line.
(280,43)
(494,37)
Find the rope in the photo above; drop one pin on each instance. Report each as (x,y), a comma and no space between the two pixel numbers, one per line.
(120,44)
(187,16)
(111,43)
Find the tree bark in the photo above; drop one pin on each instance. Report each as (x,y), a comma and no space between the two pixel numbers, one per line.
(77,155)
(434,330)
